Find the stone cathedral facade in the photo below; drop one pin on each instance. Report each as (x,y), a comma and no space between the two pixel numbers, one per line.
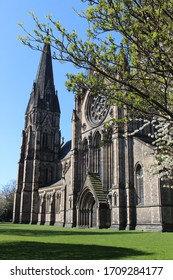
(98,179)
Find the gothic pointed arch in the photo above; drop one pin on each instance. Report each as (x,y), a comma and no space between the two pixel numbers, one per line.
(92,206)
(87,208)
(96,152)
(139,184)
(46,174)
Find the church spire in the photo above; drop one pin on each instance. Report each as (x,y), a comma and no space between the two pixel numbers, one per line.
(39,163)
(43,93)
(45,71)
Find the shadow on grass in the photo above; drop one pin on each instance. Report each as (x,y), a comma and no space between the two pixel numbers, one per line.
(58,231)
(53,251)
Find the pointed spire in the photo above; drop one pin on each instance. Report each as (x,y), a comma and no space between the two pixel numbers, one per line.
(45,71)
(43,93)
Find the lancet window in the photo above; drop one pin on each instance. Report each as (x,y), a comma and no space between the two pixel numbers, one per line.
(96,153)
(139,185)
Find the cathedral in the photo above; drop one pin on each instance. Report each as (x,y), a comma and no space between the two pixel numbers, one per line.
(99,179)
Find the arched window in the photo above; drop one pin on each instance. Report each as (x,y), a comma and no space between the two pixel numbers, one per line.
(108,158)
(115,201)
(139,185)
(96,153)
(45,140)
(48,202)
(58,202)
(46,175)
(70,203)
(84,159)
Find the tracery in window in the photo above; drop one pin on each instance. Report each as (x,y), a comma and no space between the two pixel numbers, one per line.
(97,108)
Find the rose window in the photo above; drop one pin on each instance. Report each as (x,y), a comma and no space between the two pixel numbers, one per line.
(97,109)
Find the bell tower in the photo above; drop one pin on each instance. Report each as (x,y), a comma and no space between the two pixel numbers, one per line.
(39,164)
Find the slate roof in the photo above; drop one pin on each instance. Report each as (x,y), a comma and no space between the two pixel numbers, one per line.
(65,150)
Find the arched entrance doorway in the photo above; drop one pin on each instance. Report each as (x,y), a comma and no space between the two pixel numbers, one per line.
(87,210)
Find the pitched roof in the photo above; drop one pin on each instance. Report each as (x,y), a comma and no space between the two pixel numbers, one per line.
(65,150)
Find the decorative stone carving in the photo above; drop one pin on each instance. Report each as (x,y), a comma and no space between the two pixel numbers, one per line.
(97,109)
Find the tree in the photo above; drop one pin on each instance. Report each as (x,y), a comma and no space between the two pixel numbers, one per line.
(134,73)
(6,201)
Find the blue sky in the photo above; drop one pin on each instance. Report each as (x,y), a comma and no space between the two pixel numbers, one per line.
(18,71)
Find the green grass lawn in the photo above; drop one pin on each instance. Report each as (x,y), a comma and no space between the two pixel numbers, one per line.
(48,242)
